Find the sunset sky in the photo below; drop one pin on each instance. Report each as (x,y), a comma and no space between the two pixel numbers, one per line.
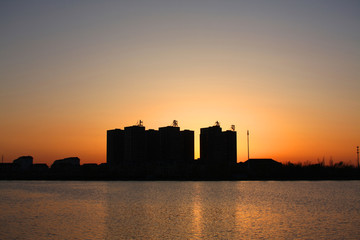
(287,71)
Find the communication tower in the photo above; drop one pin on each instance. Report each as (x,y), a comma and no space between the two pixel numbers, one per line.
(248,148)
(357,152)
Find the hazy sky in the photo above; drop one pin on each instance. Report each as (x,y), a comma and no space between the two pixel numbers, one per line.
(289,71)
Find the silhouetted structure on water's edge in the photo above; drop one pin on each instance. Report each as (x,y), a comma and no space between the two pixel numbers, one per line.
(217,147)
(168,154)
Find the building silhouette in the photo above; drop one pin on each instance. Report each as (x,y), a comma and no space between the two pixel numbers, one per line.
(187,146)
(136,147)
(170,145)
(69,162)
(168,154)
(218,147)
(152,143)
(24,162)
(115,147)
(176,147)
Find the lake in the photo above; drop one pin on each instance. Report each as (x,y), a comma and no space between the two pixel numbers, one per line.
(180,210)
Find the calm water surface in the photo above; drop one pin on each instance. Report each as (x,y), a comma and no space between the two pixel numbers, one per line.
(179,210)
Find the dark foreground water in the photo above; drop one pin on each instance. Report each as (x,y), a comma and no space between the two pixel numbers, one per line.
(180,210)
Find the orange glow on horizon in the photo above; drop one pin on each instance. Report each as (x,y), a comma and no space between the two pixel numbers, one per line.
(69,73)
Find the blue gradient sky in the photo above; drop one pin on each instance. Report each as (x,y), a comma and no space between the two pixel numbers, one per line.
(289,71)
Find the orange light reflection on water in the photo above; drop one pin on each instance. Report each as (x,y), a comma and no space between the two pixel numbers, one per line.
(197,211)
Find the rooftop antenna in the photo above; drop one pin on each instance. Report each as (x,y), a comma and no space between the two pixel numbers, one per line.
(248,148)
(175,123)
(357,152)
(217,124)
(232,127)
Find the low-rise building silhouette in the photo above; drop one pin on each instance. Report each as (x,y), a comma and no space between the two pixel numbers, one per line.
(256,164)
(23,163)
(71,162)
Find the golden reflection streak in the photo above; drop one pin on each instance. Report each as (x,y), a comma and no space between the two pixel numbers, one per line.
(197,212)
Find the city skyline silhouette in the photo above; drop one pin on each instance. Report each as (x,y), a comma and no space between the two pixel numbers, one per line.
(134,153)
(287,72)
(161,119)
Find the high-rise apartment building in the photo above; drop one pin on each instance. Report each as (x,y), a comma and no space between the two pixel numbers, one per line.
(135,146)
(217,147)
(115,147)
